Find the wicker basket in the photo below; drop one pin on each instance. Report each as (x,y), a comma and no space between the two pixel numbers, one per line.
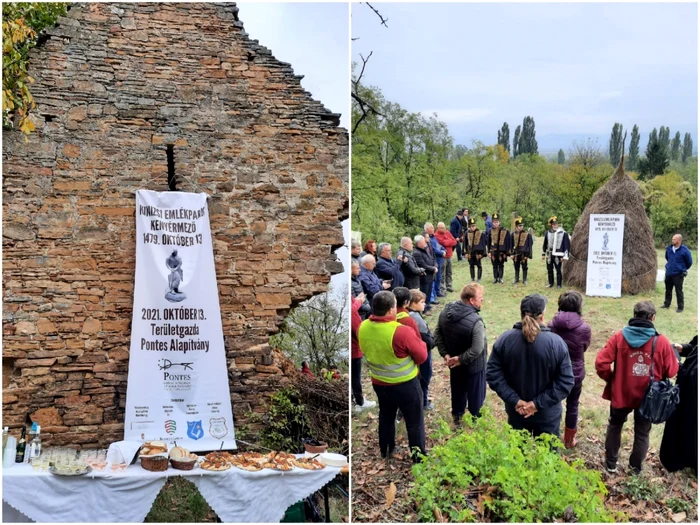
(183,465)
(155,463)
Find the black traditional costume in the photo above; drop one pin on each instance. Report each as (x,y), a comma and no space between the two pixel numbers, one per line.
(499,246)
(475,247)
(522,251)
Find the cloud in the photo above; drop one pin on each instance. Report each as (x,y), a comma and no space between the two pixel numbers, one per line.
(610,95)
(457,116)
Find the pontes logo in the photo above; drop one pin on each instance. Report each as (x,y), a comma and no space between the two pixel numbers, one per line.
(170,426)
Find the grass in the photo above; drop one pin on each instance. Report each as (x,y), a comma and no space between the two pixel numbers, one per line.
(501,309)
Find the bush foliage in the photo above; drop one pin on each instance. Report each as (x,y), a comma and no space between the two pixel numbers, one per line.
(526,479)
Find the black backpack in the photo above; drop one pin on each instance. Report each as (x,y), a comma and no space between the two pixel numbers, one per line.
(661,398)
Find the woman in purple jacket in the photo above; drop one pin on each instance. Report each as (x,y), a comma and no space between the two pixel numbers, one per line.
(569,325)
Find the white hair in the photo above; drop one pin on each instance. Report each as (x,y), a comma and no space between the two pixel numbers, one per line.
(405,241)
(367,258)
(418,238)
(427,225)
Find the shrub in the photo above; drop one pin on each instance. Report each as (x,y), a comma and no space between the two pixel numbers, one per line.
(286,422)
(519,479)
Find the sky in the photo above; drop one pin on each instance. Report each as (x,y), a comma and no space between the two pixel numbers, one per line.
(575,68)
(314,38)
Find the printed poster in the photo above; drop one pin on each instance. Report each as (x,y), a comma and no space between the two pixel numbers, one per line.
(605,241)
(178,381)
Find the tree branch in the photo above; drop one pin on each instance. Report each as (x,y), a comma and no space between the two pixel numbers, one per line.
(384,20)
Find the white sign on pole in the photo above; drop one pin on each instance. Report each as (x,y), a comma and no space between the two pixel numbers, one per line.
(605,241)
(178,382)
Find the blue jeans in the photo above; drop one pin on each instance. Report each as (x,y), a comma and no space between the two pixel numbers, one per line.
(436,280)
(426,372)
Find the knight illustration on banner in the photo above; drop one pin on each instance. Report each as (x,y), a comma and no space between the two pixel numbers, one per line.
(522,250)
(475,243)
(555,250)
(499,247)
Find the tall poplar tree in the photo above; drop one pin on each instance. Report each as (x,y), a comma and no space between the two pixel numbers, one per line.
(561,158)
(615,147)
(676,146)
(504,137)
(633,155)
(528,142)
(516,142)
(687,148)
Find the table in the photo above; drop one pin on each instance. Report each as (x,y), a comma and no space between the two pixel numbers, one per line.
(235,495)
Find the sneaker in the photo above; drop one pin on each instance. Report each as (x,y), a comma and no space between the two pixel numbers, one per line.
(367,405)
(679,310)
(666,306)
(549,286)
(429,406)
(611,470)
(559,287)
(399,417)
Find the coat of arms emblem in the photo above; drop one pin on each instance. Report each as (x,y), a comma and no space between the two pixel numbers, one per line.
(217,427)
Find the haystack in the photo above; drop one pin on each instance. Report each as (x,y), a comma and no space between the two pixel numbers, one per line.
(622,195)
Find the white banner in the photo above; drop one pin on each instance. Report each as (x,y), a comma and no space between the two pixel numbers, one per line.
(178,381)
(605,241)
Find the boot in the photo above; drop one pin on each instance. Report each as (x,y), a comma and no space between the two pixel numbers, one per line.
(570,437)
(478,278)
(517,275)
(524,275)
(471,271)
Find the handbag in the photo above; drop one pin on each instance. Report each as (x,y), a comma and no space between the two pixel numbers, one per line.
(661,398)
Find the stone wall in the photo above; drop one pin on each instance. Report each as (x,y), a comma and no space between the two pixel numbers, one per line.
(115,84)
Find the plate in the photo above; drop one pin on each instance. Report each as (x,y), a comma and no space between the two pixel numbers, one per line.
(333,460)
(80,472)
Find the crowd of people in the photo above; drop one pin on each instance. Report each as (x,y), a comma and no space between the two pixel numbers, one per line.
(534,367)
(425,262)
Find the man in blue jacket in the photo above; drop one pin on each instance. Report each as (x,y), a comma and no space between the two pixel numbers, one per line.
(456,231)
(371,284)
(388,269)
(439,251)
(488,224)
(679,262)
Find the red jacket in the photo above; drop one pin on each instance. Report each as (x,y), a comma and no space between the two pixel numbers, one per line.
(627,384)
(447,241)
(405,343)
(307,372)
(355,322)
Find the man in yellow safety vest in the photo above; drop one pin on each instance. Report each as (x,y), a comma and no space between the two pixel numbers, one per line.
(393,353)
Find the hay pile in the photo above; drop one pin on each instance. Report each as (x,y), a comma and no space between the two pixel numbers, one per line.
(622,195)
(327,405)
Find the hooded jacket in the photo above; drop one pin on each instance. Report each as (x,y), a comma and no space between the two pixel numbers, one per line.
(630,350)
(539,372)
(577,336)
(461,331)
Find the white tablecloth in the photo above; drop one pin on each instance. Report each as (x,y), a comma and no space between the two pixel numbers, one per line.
(235,495)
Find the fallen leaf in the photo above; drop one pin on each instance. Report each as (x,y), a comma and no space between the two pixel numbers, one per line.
(438,515)
(390,494)
(677,518)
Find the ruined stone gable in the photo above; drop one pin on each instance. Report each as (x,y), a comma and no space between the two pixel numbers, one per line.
(115,85)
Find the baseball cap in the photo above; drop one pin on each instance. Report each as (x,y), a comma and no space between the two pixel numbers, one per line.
(534,304)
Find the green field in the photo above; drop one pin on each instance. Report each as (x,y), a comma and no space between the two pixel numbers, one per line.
(501,309)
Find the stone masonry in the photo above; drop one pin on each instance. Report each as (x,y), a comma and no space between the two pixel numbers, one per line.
(115,85)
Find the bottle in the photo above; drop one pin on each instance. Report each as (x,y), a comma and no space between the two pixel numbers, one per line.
(21,446)
(35,445)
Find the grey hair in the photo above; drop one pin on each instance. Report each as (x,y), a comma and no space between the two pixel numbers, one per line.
(381,247)
(418,238)
(644,310)
(354,263)
(367,258)
(427,225)
(355,244)
(405,240)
